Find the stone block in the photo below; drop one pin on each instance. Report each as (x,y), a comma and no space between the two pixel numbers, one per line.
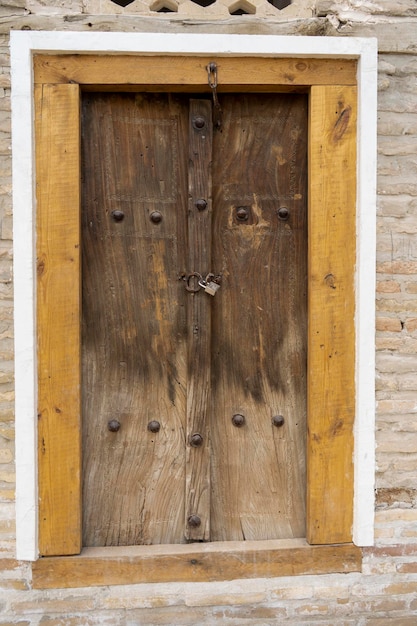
(388,286)
(224,599)
(6,456)
(397,267)
(388,441)
(396,124)
(411,324)
(411,287)
(396,306)
(55,7)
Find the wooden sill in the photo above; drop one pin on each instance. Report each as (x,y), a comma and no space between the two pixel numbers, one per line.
(205,562)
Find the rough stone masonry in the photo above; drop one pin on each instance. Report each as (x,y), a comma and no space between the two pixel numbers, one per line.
(385,592)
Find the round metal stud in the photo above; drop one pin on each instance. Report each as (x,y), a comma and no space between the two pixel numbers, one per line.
(196,440)
(238,420)
(194,521)
(117,215)
(278,421)
(283,213)
(156,217)
(199,122)
(201,204)
(242,214)
(113,426)
(154,426)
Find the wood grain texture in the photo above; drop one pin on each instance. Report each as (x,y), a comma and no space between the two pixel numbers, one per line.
(147,72)
(199,321)
(134,320)
(259,318)
(331,347)
(196,563)
(58,324)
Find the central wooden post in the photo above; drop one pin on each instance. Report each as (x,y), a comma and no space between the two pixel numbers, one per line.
(197,510)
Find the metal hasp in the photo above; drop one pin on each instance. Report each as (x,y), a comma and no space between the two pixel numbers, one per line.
(212,81)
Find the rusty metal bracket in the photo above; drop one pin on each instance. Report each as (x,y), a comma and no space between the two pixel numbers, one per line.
(212,81)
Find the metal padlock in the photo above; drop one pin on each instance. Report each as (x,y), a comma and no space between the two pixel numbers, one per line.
(211,288)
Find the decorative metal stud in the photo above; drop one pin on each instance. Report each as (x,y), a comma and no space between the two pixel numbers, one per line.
(156,217)
(283,213)
(238,420)
(194,521)
(113,426)
(199,122)
(196,440)
(154,426)
(278,421)
(201,204)
(117,215)
(242,214)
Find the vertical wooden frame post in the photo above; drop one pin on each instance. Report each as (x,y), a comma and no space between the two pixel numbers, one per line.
(58,310)
(331,337)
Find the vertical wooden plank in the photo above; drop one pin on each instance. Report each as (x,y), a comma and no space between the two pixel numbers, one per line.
(58,303)
(331,348)
(259,332)
(134,349)
(197,522)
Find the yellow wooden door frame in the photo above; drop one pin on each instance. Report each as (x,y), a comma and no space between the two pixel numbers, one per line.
(331,85)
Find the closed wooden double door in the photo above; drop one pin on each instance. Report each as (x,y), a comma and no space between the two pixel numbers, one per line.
(194,405)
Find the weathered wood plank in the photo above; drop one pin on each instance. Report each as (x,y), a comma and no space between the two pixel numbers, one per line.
(259,335)
(146,72)
(137,24)
(134,322)
(194,563)
(197,509)
(58,322)
(331,347)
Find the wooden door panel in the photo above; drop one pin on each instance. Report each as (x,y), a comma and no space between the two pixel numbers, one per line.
(134,347)
(259,319)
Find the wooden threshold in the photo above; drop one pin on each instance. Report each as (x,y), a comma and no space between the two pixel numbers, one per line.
(204,562)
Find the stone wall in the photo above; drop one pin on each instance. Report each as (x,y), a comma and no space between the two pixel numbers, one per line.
(385,592)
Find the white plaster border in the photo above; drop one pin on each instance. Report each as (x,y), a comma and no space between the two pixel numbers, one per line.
(23,45)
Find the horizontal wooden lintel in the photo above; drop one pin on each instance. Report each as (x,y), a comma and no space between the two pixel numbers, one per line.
(205,562)
(174,72)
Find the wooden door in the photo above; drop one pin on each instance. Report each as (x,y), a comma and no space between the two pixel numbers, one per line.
(194,406)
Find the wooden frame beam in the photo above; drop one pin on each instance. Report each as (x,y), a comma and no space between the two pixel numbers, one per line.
(196,563)
(189,73)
